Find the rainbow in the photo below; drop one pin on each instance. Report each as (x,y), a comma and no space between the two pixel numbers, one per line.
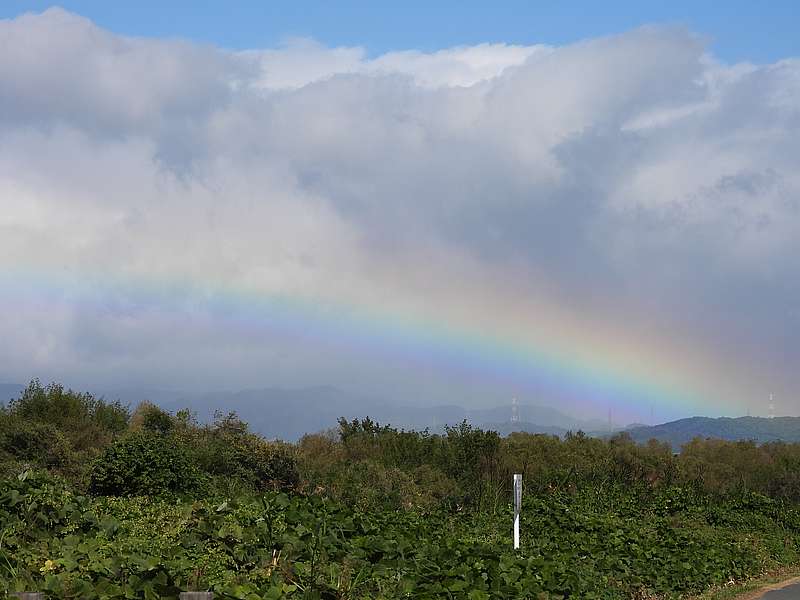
(521,348)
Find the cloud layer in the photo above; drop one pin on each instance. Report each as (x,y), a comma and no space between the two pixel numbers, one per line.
(632,184)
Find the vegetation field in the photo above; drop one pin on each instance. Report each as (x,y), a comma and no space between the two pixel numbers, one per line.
(99,502)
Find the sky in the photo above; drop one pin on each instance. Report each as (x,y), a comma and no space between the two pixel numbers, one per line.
(739,30)
(595,209)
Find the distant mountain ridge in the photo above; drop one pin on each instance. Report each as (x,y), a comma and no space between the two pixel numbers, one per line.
(758,429)
(507,428)
(290,413)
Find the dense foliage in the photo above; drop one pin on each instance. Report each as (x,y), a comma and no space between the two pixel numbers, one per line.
(146,504)
(145,463)
(104,449)
(613,545)
(56,428)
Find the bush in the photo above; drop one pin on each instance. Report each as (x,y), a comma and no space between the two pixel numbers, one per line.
(255,462)
(145,463)
(237,458)
(40,444)
(50,427)
(152,418)
(86,420)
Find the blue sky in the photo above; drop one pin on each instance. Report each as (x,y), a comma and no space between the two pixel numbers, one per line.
(740,30)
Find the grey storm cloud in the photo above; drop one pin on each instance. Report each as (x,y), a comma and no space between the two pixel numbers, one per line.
(633,175)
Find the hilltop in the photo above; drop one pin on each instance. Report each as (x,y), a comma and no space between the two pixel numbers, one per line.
(758,429)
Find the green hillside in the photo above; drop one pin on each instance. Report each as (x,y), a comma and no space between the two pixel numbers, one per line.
(758,429)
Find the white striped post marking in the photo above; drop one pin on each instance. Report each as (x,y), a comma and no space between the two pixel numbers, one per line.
(517,507)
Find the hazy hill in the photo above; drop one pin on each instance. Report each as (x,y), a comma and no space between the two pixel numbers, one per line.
(290,413)
(285,414)
(508,428)
(760,429)
(539,416)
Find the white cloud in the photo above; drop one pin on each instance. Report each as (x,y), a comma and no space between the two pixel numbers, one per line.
(304,61)
(633,180)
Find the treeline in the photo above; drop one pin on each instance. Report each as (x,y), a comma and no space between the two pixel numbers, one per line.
(107,449)
(468,467)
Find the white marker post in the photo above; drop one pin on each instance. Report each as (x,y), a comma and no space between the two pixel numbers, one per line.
(517,507)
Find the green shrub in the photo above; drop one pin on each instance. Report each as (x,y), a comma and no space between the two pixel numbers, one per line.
(251,460)
(87,421)
(40,444)
(145,463)
(57,429)
(236,458)
(156,420)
